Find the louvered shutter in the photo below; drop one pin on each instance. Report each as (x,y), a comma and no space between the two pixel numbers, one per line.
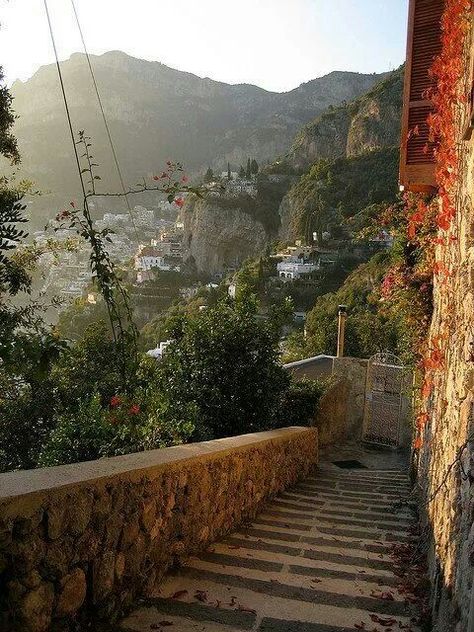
(417,164)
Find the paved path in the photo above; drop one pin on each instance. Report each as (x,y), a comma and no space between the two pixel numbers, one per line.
(317,559)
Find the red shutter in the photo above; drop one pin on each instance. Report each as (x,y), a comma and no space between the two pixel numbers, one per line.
(417,164)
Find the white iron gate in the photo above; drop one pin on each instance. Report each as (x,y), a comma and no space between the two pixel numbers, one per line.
(385,396)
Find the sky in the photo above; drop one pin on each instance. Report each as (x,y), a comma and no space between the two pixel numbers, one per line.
(275,44)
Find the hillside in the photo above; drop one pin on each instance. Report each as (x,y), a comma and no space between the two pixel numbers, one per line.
(346,160)
(157,113)
(366,124)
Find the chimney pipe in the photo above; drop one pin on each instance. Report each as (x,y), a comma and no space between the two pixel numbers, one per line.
(341,330)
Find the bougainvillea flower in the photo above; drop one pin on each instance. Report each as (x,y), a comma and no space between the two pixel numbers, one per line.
(115,401)
(179,202)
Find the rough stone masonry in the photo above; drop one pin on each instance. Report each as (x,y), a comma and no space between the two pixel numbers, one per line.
(85,540)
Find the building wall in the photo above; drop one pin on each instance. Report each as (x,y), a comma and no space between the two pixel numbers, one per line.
(447,492)
(88,538)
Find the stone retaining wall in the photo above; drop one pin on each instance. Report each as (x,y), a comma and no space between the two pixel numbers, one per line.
(86,539)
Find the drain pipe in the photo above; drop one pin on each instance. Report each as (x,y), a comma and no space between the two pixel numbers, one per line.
(341,330)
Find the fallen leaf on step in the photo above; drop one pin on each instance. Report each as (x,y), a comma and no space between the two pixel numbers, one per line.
(245,609)
(201,595)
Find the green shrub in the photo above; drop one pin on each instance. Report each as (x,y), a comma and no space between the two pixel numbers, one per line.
(299,403)
(225,362)
(79,436)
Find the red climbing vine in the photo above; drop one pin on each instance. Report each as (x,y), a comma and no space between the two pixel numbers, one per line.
(429,221)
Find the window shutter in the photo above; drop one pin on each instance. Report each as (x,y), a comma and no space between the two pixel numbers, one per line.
(417,164)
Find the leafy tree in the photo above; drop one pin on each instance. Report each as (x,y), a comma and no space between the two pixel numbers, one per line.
(229,172)
(209,175)
(242,172)
(254,167)
(8,145)
(224,360)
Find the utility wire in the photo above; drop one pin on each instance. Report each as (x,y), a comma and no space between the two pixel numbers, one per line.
(104,117)
(68,114)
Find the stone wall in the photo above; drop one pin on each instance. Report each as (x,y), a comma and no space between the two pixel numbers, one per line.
(446,459)
(86,539)
(332,416)
(341,410)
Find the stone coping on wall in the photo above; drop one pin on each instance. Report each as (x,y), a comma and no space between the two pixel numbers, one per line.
(29,483)
(85,540)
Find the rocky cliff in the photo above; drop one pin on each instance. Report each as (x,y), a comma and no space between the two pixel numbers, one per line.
(219,235)
(353,138)
(366,124)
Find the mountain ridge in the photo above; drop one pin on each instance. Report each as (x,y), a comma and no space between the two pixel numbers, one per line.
(156,113)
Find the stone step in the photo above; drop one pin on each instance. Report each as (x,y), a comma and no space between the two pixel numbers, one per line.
(316,559)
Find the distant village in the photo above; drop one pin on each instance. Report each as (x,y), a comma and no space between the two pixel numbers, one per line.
(144,242)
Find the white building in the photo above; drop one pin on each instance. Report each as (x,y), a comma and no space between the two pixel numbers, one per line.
(149,257)
(143,217)
(293,268)
(160,350)
(232,290)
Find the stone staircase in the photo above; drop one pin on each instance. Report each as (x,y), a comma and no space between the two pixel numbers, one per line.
(317,559)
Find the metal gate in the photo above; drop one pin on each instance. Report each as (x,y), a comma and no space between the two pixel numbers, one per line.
(385,398)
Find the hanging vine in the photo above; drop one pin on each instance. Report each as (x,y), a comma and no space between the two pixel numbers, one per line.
(428,221)
(172,183)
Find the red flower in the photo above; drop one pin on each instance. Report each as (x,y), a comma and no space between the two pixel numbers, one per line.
(179,202)
(184,179)
(134,409)
(115,401)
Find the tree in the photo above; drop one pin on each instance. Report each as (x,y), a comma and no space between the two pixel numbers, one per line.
(254,167)
(8,145)
(209,175)
(242,172)
(229,172)
(248,172)
(226,361)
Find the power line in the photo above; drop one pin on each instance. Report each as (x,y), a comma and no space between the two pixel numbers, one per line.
(104,118)
(68,114)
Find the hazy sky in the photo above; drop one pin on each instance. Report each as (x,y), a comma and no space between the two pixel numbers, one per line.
(276,44)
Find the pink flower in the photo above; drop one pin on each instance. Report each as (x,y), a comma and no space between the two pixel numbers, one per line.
(115,401)
(179,202)
(134,409)
(184,179)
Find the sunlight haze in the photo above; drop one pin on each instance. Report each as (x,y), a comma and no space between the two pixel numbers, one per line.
(275,44)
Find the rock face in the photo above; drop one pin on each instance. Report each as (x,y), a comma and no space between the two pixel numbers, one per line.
(146,512)
(368,123)
(218,237)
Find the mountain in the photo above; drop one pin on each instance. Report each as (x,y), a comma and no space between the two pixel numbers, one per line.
(156,113)
(348,155)
(366,124)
